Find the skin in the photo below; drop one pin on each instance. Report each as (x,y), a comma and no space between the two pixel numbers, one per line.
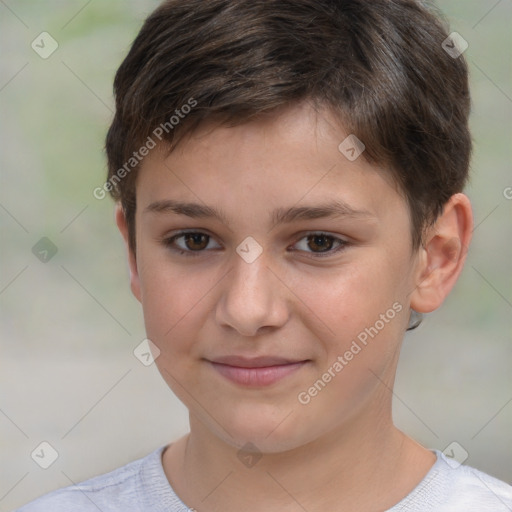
(341,450)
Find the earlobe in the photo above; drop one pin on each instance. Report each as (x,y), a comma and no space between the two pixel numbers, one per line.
(443,254)
(132,261)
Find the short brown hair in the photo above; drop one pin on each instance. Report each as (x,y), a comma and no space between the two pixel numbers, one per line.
(379,65)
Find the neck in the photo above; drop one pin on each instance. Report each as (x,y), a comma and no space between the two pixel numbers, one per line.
(352,467)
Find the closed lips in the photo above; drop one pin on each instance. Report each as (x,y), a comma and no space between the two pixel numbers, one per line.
(258,371)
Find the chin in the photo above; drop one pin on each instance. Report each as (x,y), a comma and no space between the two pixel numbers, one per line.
(269,431)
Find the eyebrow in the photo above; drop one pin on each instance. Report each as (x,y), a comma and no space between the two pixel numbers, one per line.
(332,209)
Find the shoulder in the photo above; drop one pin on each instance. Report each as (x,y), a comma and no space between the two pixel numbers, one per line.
(122,488)
(472,489)
(450,487)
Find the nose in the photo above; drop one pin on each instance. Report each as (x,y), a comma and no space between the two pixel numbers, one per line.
(253,298)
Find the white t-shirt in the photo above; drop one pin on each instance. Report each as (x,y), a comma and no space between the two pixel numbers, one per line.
(142,486)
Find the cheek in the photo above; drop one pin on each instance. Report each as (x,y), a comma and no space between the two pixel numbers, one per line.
(359,315)
(352,297)
(175,302)
(366,318)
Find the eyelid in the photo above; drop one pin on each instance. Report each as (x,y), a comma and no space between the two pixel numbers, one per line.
(323,254)
(168,241)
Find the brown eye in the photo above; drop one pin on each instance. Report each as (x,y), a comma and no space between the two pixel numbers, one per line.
(190,243)
(196,241)
(320,243)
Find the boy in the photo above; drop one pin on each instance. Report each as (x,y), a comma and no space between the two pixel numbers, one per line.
(288,177)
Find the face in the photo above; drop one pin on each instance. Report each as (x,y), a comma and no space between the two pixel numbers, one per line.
(274,275)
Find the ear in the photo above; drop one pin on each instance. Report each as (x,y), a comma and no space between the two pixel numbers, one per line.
(442,256)
(132,261)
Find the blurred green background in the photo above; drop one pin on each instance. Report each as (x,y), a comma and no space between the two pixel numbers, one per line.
(69,326)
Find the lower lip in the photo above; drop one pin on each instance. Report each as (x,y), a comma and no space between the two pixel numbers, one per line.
(257,376)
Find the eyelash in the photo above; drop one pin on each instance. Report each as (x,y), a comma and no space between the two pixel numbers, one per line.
(168,242)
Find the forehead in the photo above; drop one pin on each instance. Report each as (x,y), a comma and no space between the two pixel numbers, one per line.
(292,158)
